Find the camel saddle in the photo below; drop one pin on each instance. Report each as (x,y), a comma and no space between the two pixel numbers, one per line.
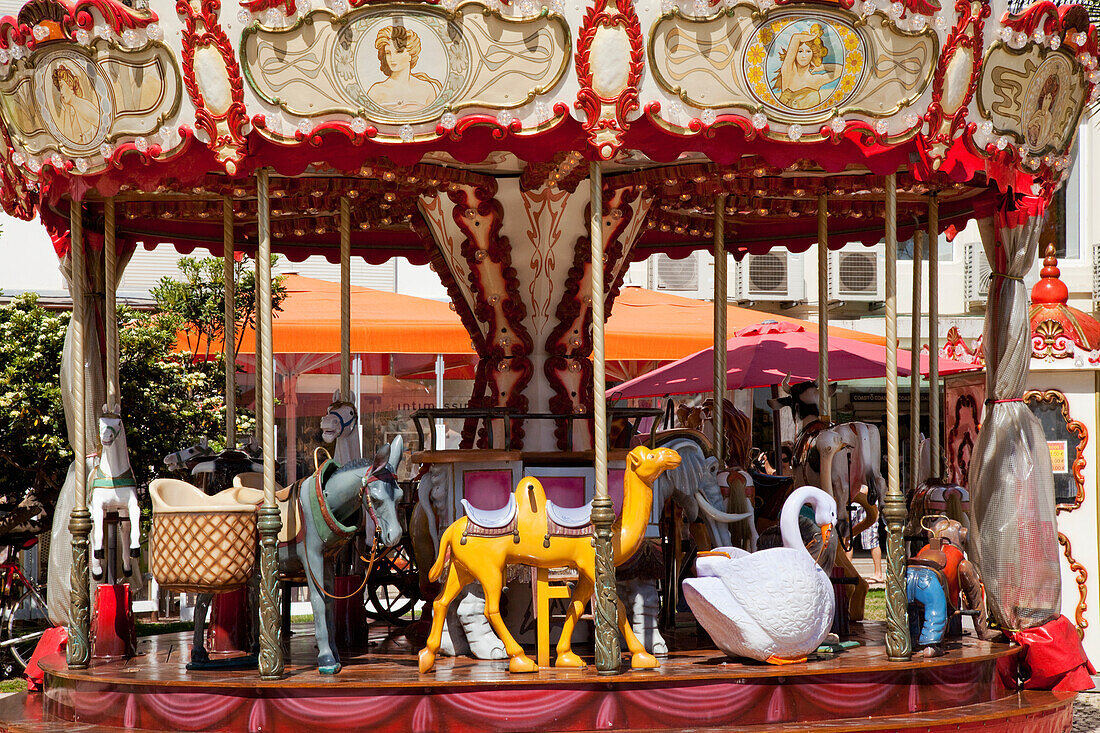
(568,522)
(491,522)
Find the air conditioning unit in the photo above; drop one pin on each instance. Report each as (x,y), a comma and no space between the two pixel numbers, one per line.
(1096,276)
(977,275)
(676,275)
(857,274)
(774,275)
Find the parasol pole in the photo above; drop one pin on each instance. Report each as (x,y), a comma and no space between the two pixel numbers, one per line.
(898,643)
(271,646)
(720,287)
(78,649)
(914,364)
(822,307)
(345,299)
(605,601)
(934,335)
(229,337)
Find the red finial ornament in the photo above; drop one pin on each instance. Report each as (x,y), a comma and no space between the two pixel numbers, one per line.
(1050,290)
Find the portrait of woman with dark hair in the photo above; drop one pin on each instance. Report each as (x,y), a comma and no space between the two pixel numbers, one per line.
(1040,124)
(75,104)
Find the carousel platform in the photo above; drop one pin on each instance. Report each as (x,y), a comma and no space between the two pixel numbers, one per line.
(696,688)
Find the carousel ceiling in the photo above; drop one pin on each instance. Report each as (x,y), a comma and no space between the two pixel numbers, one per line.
(171,108)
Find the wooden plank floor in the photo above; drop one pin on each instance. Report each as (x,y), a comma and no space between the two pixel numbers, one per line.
(390,661)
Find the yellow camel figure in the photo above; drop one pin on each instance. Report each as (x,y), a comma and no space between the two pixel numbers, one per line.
(484,559)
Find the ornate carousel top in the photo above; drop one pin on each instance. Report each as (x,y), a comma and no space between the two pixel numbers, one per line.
(170,107)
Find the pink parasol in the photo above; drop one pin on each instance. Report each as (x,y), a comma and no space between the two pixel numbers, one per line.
(764,354)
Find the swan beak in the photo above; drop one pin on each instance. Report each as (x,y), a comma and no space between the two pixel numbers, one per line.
(826,530)
(713,553)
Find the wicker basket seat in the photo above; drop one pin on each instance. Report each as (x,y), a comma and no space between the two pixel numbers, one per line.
(201,543)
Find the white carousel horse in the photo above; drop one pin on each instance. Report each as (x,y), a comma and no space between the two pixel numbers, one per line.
(341,424)
(113,489)
(179,460)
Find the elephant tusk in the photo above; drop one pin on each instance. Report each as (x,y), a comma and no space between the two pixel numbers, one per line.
(716,514)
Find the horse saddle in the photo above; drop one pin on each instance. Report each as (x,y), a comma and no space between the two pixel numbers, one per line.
(101,480)
(491,522)
(567,521)
(803,451)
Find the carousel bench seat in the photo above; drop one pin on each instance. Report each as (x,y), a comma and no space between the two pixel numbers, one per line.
(255,480)
(200,543)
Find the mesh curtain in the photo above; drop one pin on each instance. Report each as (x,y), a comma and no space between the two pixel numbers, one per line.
(1011,482)
(95,391)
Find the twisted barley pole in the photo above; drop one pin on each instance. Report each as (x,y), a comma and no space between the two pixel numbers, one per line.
(78,650)
(934,334)
(229,336)
(822,307)
(914,364)
(605,601)
(720,287)
(345,299)
(898,644)
(271,647)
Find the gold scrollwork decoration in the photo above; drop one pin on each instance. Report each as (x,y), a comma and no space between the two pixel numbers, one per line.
(1082,587)
(1057,397)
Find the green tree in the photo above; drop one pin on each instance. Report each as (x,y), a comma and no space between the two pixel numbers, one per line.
(199,299)
(34,449)
(170,399)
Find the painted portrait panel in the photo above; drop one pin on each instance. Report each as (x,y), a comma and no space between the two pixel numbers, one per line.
(1049,107)
(74,100)
(401,67)
(803,65)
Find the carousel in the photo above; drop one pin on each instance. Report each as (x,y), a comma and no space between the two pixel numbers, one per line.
(611,131)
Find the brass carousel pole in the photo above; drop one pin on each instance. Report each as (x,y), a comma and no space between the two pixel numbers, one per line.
(110,315)
(720,286)
(605,601)
(823,400)
(229,337)
(271,648)
(914,364)
(934,335)
(898,644)
(345,300)
(78,650)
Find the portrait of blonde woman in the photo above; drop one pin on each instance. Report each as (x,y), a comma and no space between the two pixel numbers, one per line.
(75,104)
(403,90)
(802,71)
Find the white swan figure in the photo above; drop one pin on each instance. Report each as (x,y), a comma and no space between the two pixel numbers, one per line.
(774,605)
